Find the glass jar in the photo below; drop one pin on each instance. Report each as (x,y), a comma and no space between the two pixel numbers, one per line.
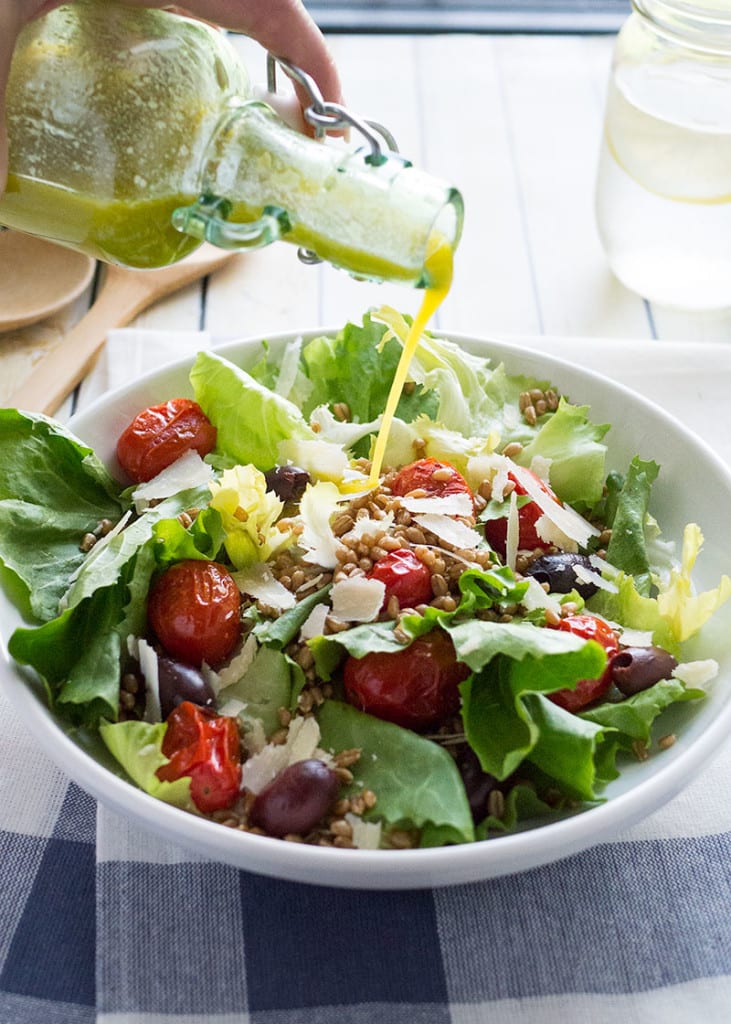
(134,136)
(663,196)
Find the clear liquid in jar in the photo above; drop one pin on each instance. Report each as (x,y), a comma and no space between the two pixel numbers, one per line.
(664,184)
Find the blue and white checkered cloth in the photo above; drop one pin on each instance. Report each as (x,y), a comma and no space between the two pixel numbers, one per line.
(101,922)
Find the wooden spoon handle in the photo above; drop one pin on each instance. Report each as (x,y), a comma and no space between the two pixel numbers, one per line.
(122,296)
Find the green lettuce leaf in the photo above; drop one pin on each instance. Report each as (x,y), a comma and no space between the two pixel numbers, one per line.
(137,746)
(506,717)
(633,717)
(53,490)
(250,419)
(265,687)
(282,630)
(106,562)
(203,539)
(574,446)
(416,781)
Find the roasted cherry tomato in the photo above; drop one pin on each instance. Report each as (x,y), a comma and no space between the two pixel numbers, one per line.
(587,690)
(438,479)
(416,688)
(158,436)
(496,530)
(404,577)
(194,609)
(206,747)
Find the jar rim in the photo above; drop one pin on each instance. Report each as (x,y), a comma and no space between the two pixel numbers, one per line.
(704,26)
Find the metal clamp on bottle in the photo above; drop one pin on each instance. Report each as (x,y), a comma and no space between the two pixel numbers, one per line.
(325,117)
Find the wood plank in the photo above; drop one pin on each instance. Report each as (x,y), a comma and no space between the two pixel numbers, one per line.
(556,127)
(467,141)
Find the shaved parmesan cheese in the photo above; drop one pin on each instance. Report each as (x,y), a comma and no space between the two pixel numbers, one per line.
(318,504)
(512,534)
(323,460)
(236,668)
(500,480)
(147,658)
(603,566)
(564,519)
(96,551)
(357,599)
(450,531)
(585,575)
(188,471)
(302,741)
(551,533)
(314,624)
(696,673)
(231,708)
(257,581)
(541,466)
(636,638)
(445,505)
(366,834)
(482,467)
(536,597)
(253,737)
(367,527)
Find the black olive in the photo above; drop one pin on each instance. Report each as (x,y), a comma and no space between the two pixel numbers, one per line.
(296,800)
(558,572)
(478,784)
(287,482)
(178,682)
(638,668)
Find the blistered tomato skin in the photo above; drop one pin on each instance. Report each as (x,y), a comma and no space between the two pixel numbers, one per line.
(496,530)
(204,747)
(587,690)
(404,577)
(160,434)
(438,479)
(417,687)
(194,608)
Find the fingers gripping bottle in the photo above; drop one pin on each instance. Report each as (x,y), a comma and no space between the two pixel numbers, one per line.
(134,136)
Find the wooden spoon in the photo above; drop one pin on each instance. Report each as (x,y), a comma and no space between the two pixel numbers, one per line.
(123,295)
(38,278)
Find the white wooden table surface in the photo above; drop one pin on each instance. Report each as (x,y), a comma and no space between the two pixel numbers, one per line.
(514,122)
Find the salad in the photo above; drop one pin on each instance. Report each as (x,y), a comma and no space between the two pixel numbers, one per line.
(259,636)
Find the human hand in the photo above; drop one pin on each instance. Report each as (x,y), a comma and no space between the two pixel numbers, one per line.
(283,27)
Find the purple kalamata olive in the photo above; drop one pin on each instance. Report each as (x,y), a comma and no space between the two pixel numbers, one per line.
(178,682)
(558,572)
(638,668)
(296,800)
(287,482)
(478,784)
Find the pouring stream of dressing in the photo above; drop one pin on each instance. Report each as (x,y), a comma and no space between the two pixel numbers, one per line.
(438,265)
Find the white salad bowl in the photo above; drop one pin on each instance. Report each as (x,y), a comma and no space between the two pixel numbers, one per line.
(694,486)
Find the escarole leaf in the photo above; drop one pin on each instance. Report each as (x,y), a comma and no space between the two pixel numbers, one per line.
(53,490)
(627,548)
(417,781)
(357,367)
(250,419)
